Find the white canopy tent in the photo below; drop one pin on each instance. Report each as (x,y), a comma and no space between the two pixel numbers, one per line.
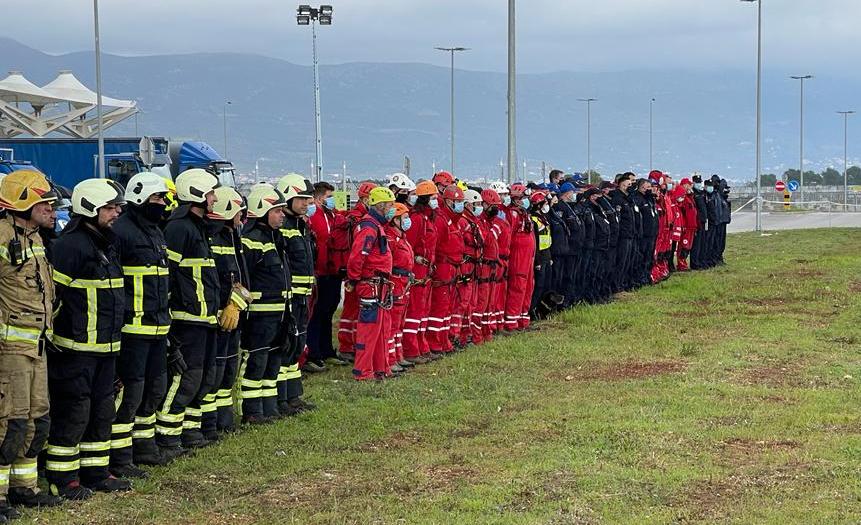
(62,105)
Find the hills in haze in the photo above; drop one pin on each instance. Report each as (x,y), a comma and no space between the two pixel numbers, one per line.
(375,113)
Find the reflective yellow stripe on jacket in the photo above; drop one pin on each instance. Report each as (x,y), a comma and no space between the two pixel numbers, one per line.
(19,334)
(254,245)
(544,239)
(91,287)
(137,273)
(196,265)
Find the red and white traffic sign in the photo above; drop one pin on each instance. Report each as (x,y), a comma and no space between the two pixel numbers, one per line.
(780,186)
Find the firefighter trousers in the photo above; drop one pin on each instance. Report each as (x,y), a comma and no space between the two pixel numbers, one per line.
(82,410)
(289,375)
(24,419)
(142,370)
(178,417)
(258,335)
(228,343)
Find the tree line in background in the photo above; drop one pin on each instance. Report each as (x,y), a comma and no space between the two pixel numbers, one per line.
(829,177)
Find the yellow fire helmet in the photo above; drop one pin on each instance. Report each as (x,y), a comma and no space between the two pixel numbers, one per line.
(91,194)
(170,199)
(23,189)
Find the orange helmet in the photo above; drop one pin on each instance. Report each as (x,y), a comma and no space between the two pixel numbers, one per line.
(365,189)
(401,209)
(426,187)
(444,178)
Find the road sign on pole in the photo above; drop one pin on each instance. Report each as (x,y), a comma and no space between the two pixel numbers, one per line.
(793,185)
(779,186)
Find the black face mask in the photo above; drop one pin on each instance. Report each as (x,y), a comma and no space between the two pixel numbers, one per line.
(492,211)
(403,198)
(153,211)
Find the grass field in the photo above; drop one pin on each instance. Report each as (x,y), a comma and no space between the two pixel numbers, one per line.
(727,396)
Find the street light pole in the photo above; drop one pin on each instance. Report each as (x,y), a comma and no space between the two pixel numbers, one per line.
(307,15)
(98,45)
(588,102)
(651,103)
(846,157)
(801,137)
(452,50)
(758,114)
(226,103)
(512,101)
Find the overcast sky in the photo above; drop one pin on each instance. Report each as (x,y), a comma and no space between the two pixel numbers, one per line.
(590,35)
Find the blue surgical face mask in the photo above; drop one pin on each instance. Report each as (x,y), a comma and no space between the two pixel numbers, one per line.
(458,207)
(506,200)
(390,214)
(501,214)
(698,186)
(330,202)
(477,210)
(312,209)
(710,189)
(413,199)
(670,186)
(406,223)
(434,203)
(524,203)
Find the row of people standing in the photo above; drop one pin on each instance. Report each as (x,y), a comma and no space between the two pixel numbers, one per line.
(123,336)
(433,267)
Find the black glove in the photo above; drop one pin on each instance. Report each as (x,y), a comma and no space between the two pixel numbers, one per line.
(118,386)
(175,363)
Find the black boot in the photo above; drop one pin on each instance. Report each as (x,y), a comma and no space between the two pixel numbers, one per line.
(30,498)
(73,491)
(111,484)
(128,472)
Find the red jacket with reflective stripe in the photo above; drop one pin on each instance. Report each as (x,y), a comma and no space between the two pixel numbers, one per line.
(370,254)
(449,244)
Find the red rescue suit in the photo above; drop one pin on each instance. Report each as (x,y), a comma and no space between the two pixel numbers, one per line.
(466,290)
(501,231)
(686,226)
(483,308)
(369,270)
(520,269)
(447,259)
(402,277)
(340,246)
(422,237)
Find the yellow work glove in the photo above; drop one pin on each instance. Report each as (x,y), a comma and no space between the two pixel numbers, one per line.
(229,318)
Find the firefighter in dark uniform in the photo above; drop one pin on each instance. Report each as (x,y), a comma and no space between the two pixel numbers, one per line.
(194,292)
(227,214)
(142,364)
(26,298)
(299,252)
(267,333)
(88,324)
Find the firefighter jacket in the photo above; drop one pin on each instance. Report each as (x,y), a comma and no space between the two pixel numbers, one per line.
(299,253)
(194,287)
(26,289)
(230,265)
(268,270)
(90,290)
(143,254)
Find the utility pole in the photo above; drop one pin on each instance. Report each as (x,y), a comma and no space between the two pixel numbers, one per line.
(452,51)
(512,101)
(651,103)
(846,157)
(758,114)
(588,102)
(99,90)
(801,137)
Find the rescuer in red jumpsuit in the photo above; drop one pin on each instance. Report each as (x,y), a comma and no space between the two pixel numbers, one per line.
(447,259)
(340,244)
(686,224)
(369,272)
(487,278)
(471,270)
(423,238)
(402,279)
(501,229)
(521,263)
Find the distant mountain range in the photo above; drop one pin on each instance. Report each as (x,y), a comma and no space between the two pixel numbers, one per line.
(375,113)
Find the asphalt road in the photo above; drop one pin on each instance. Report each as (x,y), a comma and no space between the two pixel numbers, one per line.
(745,221)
